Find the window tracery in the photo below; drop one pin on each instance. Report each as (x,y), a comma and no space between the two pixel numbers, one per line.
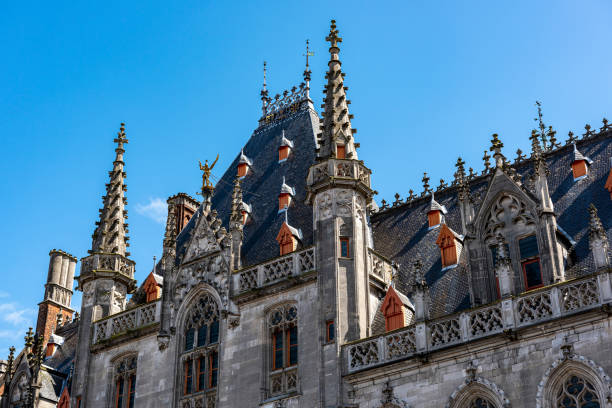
(199,359)
(124,381)
(283,332)
(577,392)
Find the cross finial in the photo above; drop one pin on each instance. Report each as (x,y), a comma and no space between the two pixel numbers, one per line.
(333,35)
(541,124)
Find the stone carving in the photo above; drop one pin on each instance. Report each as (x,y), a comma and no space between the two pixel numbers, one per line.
(344,169)
(445,332)
(389,399)
(278,269)
(306,260)
(401,344)
(486,321)
(123,322)
(319,173)
(324,205)
(344,203)
(534,308)
(363,354)
(248,280)
(507,210)
(579,295)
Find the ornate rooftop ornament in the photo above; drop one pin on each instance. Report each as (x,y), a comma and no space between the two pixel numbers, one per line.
(206,169)
(472,174)
(462,180)
(596,229)
(411,195)
(442,185)
(307,71)
(236,214)
(397,201)
(265,99)
(606,126)
(496,146)
(552,138)
(570,138)
(425,181)
(588,132)
(541,125)
(487,164)
(29,338)
(519,156)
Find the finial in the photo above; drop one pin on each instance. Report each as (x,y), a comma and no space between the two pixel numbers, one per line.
(419,277)
(442,185)
(154,263)
(460,169)
(410,195)
(605,126)
(519,156)
(487,164)
(541,124)
(333,38)
(588,132)
(29,338)
(596,229)
(307,71)
(570,138)
(264,92)
(552,138)
(425,181)
(496,146)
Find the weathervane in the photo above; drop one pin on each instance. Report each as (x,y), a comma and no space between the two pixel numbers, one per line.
(206,169)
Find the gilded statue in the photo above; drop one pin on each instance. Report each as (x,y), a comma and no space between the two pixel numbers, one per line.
(206,169)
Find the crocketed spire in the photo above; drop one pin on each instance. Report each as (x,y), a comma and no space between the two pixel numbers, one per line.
(110,235)
(336,128)
(236,215)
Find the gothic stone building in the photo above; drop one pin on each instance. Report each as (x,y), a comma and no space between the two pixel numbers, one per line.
(287,286)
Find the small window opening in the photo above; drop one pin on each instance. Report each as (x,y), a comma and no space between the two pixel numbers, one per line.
(345,250)
(330,331)
(340,152)
(530,262)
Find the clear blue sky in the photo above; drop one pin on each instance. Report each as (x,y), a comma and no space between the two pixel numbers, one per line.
(428,81)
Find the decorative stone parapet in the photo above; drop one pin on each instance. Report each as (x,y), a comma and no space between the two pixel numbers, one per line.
(121,323)
(528,309)
(268,273)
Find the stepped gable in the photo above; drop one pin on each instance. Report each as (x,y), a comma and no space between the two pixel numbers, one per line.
(262,185)
(401,232)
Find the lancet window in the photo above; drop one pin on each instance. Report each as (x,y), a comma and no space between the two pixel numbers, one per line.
(200,350)
(124,382)
(284,344)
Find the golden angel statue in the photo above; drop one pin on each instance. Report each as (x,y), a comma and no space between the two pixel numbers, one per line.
(206,169)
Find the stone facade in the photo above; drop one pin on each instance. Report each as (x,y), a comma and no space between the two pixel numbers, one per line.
(517,314)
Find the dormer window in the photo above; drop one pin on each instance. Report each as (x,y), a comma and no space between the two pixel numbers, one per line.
(53,343)
(245,211)
(435,213)
(244,164)
(287,239)
(580,164)
(448,243)
(608,185)
(152,286)
(284,149)
(340,151)
(397,310)
(284,198)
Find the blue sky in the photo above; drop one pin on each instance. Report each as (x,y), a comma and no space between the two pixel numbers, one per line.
(428,81)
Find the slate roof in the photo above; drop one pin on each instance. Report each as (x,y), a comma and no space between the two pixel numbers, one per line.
(262,185)
(401,233)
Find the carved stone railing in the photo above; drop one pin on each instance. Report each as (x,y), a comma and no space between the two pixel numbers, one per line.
(339,169)
(129,320)
(380,267)
(510,314)
(293,264)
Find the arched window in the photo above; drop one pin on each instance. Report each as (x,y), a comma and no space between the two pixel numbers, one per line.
(283,332)
(199,369)
(19,393)
(481,402)
(124,382)
(576,392)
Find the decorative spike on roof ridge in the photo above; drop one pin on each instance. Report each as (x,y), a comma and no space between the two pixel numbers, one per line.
(236,215)
(110,235)
(596,229)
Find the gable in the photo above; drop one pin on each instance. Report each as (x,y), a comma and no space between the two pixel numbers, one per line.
(203,240)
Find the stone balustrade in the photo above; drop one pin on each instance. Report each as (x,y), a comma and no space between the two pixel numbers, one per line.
(527,309)
(380,267)
(128,320)
(339,169)
(293,264)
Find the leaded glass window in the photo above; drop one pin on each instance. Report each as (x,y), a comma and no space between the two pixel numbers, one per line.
(124,395)
(576,392)
(480,402)
(199,357)
(284,345)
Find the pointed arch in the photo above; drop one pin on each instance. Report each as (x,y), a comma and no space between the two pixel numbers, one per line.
(574,377)
(478,392)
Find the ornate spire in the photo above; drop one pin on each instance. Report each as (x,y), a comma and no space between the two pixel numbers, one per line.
(598,241)
(537,154)
(265,99)
(307,71)
(425,181)
(336,128)
(487,163)
(110,235)
(541,125)
(462,181)
(596,229)
(236,215)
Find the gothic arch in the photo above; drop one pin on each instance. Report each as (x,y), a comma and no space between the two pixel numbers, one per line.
(472,389)
(573,366)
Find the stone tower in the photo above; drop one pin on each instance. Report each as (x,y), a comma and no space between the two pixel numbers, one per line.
(58,293)
(107,274)
(339,190)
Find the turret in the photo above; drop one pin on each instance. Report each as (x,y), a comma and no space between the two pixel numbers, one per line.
(339,191)
(58,293)
(107,273)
